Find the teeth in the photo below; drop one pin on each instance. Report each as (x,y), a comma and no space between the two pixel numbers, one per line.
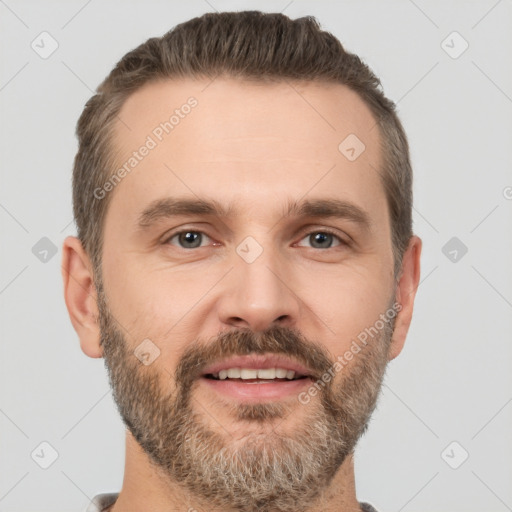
(248,373)
(267,373)
(245,373)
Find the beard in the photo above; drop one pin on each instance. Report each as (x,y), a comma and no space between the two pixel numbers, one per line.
(267,468)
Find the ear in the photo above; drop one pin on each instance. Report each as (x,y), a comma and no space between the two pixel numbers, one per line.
(405,293)
(80,296)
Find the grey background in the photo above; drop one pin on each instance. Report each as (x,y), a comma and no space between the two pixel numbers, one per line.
(452,382)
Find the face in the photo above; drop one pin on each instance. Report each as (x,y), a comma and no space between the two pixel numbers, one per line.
(244,238)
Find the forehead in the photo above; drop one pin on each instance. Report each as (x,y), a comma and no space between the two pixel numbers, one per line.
(309,115)
(231,137)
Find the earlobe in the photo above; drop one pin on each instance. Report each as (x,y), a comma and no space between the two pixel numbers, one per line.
(405,294)
(80,295)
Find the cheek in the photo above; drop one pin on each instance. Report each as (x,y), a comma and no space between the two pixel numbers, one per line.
(346,302)
(156,304)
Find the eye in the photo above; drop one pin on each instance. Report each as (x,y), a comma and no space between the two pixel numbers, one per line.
(324,239)
(192,239)
(188,239)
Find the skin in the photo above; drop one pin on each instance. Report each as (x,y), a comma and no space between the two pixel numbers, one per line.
(254,147)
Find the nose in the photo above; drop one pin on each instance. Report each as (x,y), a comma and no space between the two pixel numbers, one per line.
(260,294)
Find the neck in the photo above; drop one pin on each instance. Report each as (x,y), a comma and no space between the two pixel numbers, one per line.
(146,487)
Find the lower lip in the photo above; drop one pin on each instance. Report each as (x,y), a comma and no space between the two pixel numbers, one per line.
(256,391)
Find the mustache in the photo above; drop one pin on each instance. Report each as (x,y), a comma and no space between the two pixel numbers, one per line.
(276,340)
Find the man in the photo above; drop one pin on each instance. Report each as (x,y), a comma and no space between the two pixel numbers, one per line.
(244,263)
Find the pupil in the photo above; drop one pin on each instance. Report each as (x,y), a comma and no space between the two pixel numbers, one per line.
(190,238)
(321,238)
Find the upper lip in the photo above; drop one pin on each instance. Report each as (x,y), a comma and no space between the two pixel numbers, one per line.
(256,361)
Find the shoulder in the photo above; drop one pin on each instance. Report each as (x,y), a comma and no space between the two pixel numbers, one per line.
(366,507)
(101,502)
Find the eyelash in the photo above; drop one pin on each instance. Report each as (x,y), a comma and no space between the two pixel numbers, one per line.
(316,231)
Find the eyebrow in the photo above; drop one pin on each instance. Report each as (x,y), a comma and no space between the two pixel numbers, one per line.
(325,208)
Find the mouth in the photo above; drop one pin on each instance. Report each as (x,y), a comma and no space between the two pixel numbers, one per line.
(249,375)
(255,378)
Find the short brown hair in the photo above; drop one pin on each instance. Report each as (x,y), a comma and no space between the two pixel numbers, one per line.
(248,44)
